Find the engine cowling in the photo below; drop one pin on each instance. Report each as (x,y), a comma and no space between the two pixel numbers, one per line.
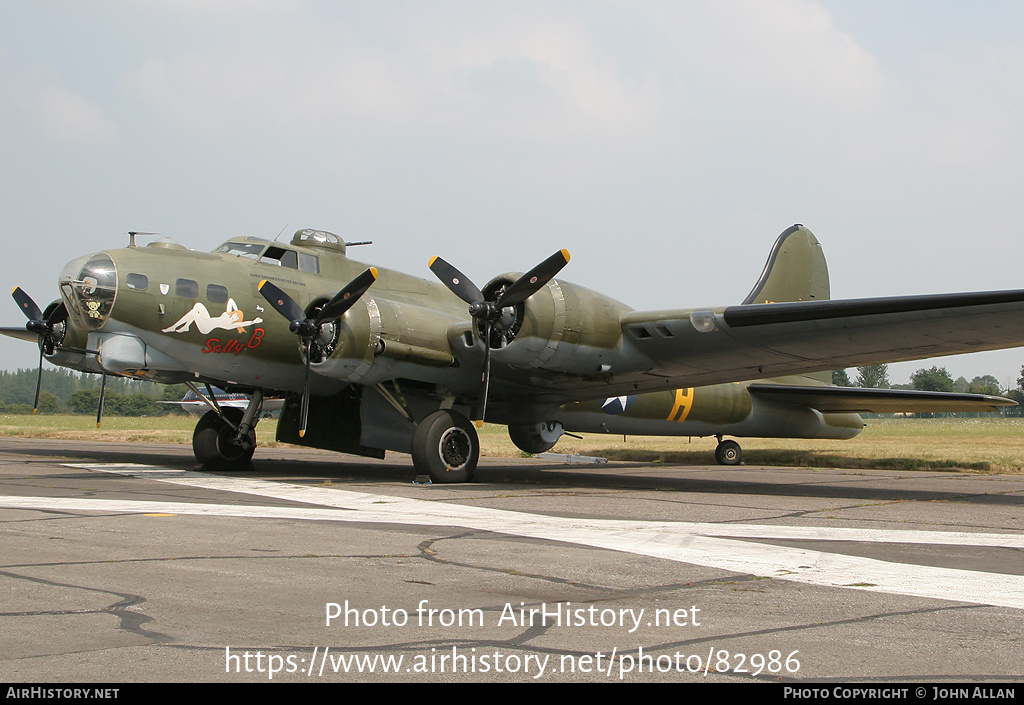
(563,328)
(348,348)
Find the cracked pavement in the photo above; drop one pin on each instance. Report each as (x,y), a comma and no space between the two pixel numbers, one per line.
(151,572)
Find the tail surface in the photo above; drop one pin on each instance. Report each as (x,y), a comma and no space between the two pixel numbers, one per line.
(795,271)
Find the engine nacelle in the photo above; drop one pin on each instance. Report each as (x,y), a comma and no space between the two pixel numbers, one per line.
(376,330)
(563,328)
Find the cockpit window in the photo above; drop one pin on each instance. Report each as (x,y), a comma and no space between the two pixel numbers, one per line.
(250,250)
(291,259)
(281,257)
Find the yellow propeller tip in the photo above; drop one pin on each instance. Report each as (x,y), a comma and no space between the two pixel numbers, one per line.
(260,285)
(302,434)
(479,424)
(565,253)
(432,260)
(373,271)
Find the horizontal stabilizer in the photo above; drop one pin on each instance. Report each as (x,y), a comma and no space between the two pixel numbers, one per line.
(875,401)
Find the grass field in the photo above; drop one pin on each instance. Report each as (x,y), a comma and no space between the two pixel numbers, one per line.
(977,445)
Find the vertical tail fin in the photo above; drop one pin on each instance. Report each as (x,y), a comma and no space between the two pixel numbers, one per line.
(795,271)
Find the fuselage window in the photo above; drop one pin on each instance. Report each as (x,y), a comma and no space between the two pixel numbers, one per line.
(217,294)
(137,281)
(186,288)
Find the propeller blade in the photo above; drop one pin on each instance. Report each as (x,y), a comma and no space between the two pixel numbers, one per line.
(39,381)
(345,298)
(281,302)
(26,304)
(99,410)
(456,281)
(57,315)
(488,312)
(308,328)
(304,409)
(485,377)
(534,280)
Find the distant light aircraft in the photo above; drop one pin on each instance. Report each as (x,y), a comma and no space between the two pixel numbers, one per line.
(198,404)
(406,367)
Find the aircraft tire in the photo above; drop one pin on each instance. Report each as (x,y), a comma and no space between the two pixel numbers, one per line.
(214,446)
(729,453)
(446,447)
(530,439)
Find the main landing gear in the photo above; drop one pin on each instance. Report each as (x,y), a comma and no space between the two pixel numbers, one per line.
(728,452)
(225,439)
(446,447)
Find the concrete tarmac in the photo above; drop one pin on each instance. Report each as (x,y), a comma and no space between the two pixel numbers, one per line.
(123,563)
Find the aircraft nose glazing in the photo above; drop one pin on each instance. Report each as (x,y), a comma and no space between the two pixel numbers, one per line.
(89,289)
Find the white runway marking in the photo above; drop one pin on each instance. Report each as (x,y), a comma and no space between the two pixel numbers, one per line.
(696,543)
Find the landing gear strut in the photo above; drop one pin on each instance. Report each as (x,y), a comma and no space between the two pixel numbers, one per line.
(215,445)
(225,439)
(445,446)
(728,452)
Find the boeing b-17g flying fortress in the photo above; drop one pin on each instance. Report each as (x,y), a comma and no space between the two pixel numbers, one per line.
(372,360)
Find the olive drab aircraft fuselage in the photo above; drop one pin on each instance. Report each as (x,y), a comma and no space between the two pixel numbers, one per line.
(371,360)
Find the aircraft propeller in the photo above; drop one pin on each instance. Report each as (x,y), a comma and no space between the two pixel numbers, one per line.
(309,328)
(489,313)
(43,327)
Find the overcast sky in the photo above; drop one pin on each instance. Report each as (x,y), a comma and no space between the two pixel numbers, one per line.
(665,144)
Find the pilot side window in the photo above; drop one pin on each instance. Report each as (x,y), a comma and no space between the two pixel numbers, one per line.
(250,250)
(217,294)
(281,257)
(186,288)
(137,281)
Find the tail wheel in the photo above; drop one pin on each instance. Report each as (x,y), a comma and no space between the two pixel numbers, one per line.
(446,447)
(215,446)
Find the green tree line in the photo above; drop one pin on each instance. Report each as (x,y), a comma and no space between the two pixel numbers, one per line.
(937,379)
(66,391)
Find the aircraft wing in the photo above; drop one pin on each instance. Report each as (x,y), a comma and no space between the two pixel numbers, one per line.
(857,400)
(20,333)
(698,347)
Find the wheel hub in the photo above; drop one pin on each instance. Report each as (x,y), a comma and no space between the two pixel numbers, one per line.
(455,448)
